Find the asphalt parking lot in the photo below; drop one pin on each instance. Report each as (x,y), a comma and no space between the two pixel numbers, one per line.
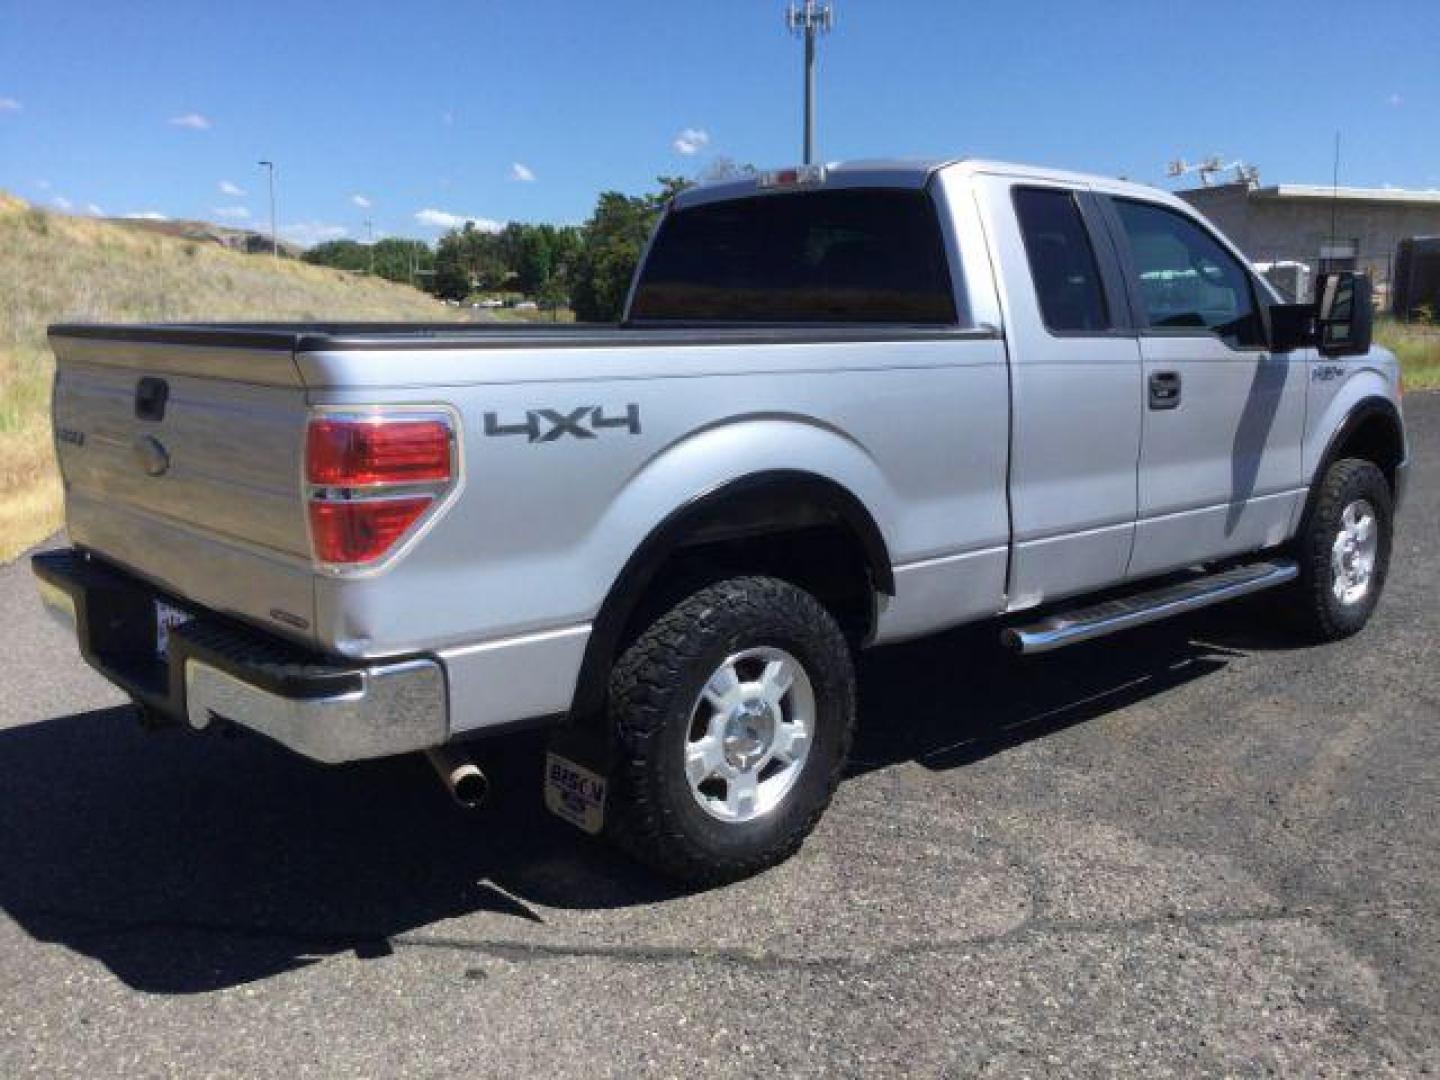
(1188,850)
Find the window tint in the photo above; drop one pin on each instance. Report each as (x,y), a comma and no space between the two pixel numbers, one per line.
(1062,261)
(1186,278)
(817,256)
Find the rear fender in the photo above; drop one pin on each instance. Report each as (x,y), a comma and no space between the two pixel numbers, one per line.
(681,496)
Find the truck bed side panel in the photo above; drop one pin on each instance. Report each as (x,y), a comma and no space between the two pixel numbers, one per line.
(548,517)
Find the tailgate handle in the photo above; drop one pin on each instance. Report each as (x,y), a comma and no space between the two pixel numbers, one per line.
(150,397)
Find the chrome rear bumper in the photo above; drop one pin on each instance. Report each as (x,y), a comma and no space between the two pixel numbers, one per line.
(398,708)
(216,668)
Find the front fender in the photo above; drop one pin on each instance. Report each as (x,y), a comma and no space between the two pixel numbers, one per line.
(1341,395)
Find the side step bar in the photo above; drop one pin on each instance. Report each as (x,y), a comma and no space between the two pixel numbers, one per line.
(1083,624)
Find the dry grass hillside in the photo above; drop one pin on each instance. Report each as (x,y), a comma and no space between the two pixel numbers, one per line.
(56,268)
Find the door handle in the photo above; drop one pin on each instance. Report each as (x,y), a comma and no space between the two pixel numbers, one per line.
(1165,390)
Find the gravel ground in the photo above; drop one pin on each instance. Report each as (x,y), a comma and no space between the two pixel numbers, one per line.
(1189,850)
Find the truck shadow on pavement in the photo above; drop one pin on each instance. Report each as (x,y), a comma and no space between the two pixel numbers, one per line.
(187,863)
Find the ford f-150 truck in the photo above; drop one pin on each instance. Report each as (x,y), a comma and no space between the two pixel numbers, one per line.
(847,406)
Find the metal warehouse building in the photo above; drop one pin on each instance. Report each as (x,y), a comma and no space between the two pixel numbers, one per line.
(1326,228)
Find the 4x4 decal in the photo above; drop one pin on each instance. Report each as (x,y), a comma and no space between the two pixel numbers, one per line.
(548,425)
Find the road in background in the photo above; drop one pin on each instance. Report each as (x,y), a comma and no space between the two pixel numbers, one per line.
(1190,849)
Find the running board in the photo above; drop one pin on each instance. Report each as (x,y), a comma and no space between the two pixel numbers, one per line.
(1083,624)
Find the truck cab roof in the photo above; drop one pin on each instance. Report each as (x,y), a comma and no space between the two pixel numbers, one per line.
(916,173)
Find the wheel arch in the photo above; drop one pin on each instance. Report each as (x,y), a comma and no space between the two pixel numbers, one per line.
(776,505)
(1373,430)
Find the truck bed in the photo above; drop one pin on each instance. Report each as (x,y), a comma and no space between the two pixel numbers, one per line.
(297,337)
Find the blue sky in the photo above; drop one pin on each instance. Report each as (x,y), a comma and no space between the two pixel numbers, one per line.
(509,110)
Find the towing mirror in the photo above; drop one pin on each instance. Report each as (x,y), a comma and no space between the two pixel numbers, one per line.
(1345,316)
(1292,326)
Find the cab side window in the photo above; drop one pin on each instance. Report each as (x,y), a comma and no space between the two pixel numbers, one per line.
(1062,262)
(1187,280)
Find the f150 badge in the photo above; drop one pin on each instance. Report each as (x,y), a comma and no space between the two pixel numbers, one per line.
(550,425)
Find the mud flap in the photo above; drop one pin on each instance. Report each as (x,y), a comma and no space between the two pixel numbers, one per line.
(577,771)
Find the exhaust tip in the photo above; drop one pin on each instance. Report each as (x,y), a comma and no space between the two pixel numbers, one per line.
(463,779)
(469,787)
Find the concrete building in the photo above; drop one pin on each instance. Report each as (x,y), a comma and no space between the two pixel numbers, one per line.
(1294,222)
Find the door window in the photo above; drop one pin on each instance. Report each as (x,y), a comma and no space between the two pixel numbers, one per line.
(1187,280)
(1062,261)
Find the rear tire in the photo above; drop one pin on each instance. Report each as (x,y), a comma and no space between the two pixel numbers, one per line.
(733,712)
(1344,551)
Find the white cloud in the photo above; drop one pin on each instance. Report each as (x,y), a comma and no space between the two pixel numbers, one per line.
(93,210)
(62,203)
(233,213)
(9,104)
(522,172)
(1395,101)
(145,215)
(361,201)
(228,187)
(193,120)
(691,141)
(443,219)
(307,233)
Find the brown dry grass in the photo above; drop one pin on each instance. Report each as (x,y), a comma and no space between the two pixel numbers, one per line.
(56,268)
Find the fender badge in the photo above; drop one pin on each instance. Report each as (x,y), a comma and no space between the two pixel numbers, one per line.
(151,454)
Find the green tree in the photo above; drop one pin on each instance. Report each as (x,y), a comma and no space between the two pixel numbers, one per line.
(341,254)
(467,259)
(451,279)
(610,248)
(398,259)
(394,258)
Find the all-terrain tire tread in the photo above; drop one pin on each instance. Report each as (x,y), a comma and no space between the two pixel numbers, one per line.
(1314,608)
(642,698)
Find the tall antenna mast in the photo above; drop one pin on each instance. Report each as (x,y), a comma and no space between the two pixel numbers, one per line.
(809,18)
(1335,190)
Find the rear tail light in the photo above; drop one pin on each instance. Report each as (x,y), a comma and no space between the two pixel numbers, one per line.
(372,480)
(363,530)
(342,452)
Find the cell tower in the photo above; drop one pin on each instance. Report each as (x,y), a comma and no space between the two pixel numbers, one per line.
(809,18)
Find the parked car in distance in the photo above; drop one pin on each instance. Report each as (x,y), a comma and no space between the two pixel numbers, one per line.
(847,406)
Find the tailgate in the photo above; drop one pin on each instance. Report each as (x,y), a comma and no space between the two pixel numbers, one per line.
(181,462)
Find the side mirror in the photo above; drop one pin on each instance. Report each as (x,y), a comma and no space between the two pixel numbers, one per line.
(1292,326)
(1345,317)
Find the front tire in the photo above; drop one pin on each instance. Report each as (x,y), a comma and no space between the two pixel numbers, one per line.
(1344,551)
(733,713)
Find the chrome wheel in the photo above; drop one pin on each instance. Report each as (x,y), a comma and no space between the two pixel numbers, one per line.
(1353,554)
(750,732)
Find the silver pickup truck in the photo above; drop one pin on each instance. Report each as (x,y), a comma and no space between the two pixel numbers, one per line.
(847,406)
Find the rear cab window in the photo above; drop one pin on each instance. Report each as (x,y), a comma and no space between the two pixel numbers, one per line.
(1062,261)
(861,255)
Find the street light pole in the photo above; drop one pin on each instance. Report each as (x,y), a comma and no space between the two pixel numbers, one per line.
(274,234)
(370,242)
(809,18)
